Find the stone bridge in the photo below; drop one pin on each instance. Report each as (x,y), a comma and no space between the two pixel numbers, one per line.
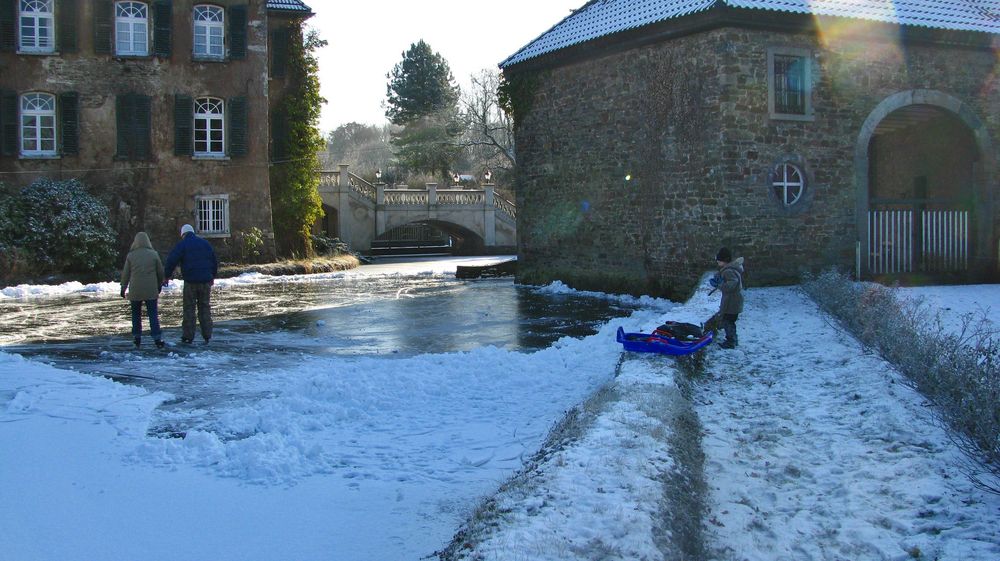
(358,212)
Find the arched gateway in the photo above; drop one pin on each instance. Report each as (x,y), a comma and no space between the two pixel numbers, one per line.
(924,166)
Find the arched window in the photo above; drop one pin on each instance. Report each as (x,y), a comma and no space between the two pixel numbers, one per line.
(788,183)
(36,26)
(209,120)
(38,124)
(131,29)
(209,32)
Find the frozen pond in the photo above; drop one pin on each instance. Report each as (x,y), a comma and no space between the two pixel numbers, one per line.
(391,310)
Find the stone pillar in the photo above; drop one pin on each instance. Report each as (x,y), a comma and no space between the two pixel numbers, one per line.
(345,220)
(379,209)
(432,200)
(489,216)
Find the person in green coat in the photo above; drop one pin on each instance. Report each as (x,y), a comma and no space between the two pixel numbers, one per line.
(143,277)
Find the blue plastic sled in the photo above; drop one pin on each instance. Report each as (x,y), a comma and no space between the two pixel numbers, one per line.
(655,343)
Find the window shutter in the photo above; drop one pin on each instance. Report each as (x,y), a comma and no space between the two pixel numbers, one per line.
(67,26)
(123,108)
(103,19)
(69,121)
(238,126)
(183,125)
(8,17)
(162,27)
(8,123)
(279,53)
(142,127)
(279,137)
(237,32)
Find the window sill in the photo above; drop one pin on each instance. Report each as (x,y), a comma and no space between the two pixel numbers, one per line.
(214,234)
(40,157)
(209,158)
(791,117)
(39,53)
(208,59)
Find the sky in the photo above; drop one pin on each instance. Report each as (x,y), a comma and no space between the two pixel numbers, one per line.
(367,39)
(814,451)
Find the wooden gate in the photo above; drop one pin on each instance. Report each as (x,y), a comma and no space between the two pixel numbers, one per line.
(938,242)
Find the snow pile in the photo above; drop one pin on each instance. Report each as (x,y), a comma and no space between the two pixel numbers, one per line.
(597,497)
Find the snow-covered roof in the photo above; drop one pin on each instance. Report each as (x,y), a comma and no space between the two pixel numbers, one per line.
(288,6)
(600,18)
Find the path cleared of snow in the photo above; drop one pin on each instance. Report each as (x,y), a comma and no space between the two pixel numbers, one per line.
(818,451)
(814,450)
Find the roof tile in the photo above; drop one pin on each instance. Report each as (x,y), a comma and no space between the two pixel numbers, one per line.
(599,18)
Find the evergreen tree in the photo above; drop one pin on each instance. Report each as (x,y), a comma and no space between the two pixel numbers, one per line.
(423,100)
(295,200)
(420,85)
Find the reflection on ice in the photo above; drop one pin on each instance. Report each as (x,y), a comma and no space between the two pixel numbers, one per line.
(280,327)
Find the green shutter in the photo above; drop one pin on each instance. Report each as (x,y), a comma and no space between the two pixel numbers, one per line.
(237,32)
(183,125)
(8,123)
(8,26)
(279,137)
(279,53)
(238,126)
(103,26)
(142,127)
(123,125)
(67,26)
(132,117)
(162,27)
(69,121)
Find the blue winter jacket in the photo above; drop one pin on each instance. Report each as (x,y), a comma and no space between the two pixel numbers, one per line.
(196,258)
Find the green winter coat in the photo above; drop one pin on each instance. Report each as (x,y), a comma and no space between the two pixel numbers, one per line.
(732,287)
(143,271)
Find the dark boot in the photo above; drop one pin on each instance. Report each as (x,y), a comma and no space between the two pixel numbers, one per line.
(136,341)
(730,327)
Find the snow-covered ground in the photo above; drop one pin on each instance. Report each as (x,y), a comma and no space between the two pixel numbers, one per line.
(813,450)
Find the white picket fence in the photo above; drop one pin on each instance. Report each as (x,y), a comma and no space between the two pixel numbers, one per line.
(893,248)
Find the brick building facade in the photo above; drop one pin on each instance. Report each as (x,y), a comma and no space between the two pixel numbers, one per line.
(161,108)
(648,135)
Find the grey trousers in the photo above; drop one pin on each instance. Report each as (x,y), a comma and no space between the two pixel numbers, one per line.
(197,297)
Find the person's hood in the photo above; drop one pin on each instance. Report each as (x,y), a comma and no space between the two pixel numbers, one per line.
(141,241)
(735,264)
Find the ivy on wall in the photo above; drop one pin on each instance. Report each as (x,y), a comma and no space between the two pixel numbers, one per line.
(295,200)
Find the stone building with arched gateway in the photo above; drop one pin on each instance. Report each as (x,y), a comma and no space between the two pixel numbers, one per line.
(804,135)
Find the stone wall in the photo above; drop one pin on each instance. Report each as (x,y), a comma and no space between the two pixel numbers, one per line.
(687,120)
(156,195)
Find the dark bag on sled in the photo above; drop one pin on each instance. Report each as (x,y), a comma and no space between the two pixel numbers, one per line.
(679,331)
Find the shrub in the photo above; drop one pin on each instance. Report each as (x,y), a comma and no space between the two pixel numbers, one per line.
(251,245)
(323,245)
(959,372)
(59,227)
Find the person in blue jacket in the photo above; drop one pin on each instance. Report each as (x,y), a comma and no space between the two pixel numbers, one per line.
(198,268)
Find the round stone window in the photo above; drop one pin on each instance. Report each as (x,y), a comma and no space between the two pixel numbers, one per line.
(789,183)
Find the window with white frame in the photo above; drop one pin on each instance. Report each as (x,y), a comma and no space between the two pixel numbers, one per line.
(790,83)
(38,124)
(36,24)
(788,183)
(209,32)
(131,29)
(209,130)
(213,215)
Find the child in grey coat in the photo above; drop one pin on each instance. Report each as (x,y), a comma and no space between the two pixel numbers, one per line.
(729,281)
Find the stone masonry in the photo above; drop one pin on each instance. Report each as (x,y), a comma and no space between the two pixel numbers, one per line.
(637,164)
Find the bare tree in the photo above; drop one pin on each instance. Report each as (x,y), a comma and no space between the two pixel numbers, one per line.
(489,131)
